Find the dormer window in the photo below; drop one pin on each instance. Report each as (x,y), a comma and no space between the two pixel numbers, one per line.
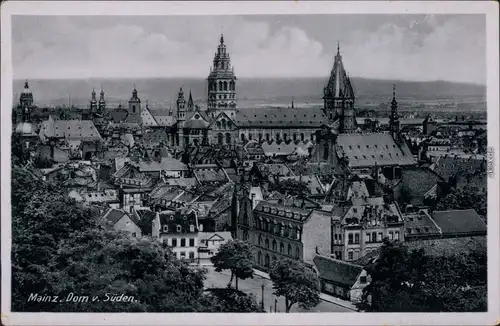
(165,228)
(179,228)
(191,228)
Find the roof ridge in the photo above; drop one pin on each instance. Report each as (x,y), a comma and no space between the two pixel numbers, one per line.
(339,261)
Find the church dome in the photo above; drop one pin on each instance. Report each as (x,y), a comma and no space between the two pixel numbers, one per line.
(25,128)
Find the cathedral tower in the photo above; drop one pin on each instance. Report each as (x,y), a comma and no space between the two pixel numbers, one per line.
(394,119)
(339,96)
(93,102)
(181,107)
(134,104)
(222,83)
(190,103)
(102,102)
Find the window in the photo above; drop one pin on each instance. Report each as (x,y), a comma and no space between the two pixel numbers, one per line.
(274,245)
(350,255)
(259,258)
(391,235)
(294,136)
(165,228)
(179,228)
(191,242)
(260,240)
(267,243)
(191,255)
(174,242)
(134,234)
(242,137)
(183,242)
(297,253)
(245,235)
(183,254)
(282,248)
(267,137)
(368,237)
(245,218)
(379,237)
(302,136)
(356,238)
(362,280)
(266,263)
(374,236)
(396,235)
(350,236)
(191,228)
(289,249)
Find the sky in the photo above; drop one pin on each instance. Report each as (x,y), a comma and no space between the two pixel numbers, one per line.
(397,46)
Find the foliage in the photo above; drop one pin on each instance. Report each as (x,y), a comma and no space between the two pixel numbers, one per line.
(60,247)
(292,280)
(292,186)
(459,199)
(230,300)
(404,281)
(235,256)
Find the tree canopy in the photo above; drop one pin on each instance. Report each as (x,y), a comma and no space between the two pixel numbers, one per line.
(292,280)
(459,199)
(404,281)
(235,256)
(62,248)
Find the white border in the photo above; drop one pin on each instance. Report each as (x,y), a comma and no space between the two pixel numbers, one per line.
(258,7)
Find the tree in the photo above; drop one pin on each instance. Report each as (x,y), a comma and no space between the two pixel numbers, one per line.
(235,256)
(292,280)
(460,199)
(230,300)
(404,281)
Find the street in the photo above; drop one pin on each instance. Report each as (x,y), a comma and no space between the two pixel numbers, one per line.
(254,286)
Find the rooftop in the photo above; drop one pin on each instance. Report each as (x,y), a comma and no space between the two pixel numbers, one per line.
(337,271)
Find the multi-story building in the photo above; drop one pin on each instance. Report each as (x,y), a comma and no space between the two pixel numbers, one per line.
(278,232)
(361,227)
(179,230)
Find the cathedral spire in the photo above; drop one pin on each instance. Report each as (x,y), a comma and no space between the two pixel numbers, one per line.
(190,104)
(394,119)
(338,48)
(26,84)
(221,38)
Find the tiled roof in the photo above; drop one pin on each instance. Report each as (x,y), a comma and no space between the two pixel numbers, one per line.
(321,169)
(448,166)
(420,224)
(118,115)
(280,118)
(209,235)
(182,182)
(210,176)
(292,213)
(366,210)
(368,259)
(337,271)
(274,169)
(166,164)
(195,124)
(70,129)
(418,181)
(185,219)
(283,148)
(450,246)
(312,182)
(114,215)
(369,149)
(165,121)
(459,221)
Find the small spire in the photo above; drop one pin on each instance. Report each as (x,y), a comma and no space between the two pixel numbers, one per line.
(26,84)
(292,102)
(338,47)
(221,38)
(394,91)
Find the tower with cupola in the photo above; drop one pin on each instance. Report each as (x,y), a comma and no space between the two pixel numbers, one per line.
(221,83)
(93,102)
(181,107)
(134,104)
(102,102)
(338,96)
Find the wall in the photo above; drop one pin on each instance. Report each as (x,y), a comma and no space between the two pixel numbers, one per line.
(317,236)
(177,250)
(356,291)
(127,225)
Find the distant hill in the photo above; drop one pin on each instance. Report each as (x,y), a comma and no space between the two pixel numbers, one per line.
(251,92)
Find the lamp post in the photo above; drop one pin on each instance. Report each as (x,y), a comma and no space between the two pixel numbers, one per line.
(262,302)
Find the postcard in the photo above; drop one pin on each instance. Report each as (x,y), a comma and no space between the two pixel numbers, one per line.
(247,163)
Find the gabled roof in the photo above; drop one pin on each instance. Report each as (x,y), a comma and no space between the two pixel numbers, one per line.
(420,224)
(450,246)
(280,118)
(113,215)
(337,271)
(459,221)
(370,149)
(339,83)
(70,129)
(166,164)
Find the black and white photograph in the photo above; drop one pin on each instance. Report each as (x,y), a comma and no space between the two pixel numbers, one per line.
(262,158)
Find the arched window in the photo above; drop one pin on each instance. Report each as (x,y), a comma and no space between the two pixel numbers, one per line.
(289,250)
(282,248)
(274,259)
(391,235)
(223,123)
(297,253)
(294,136)
(286,232)
(245,218)
(259,258)
(231,85)
(260,240)
(260,137)
(225,85)
(267,137)
(218,125)
(350,238)
(274,245)
(298,233)
(285,137)
(267,243)
(220,86)
(242,137)
(220,138)
(266,263)
(325,151)
(250,136)
(396,235)
(245,235)
(228,138)
(133,108)
(278,137)
(356,238)
(302,136)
